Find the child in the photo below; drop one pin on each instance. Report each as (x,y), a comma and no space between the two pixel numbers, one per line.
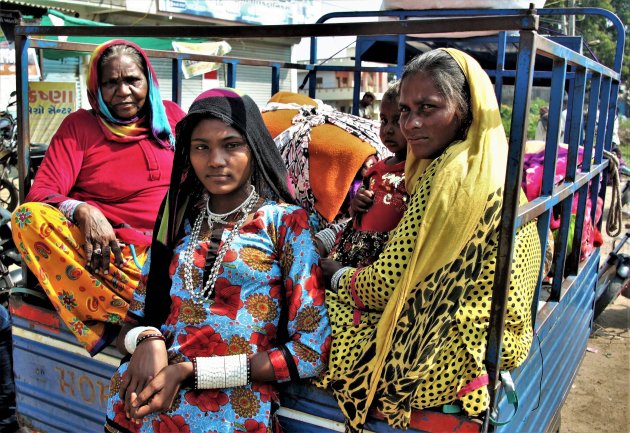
(381,201)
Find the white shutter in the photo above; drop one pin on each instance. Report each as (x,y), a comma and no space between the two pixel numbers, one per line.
(256,80)
(65,70)
(191,87)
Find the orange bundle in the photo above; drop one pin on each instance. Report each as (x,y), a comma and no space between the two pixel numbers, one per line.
(322,147)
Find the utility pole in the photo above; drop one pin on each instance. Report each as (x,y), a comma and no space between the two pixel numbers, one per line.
(571,29)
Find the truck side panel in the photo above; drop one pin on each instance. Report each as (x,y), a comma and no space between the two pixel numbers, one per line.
(59,387)
(553,361)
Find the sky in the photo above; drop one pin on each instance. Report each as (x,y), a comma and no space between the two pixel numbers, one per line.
(329,46)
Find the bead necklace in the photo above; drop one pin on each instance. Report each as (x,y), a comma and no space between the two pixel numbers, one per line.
(222,217)
(199,297)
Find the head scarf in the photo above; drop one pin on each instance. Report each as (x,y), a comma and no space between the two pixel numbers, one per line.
(269,177)
(129,130)
(467,174)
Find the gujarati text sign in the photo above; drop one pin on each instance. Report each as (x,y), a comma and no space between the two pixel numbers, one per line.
(48,104)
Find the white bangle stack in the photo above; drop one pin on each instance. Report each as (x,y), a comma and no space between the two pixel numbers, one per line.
(217,372)
(327,236)
(334,281)
(131,339)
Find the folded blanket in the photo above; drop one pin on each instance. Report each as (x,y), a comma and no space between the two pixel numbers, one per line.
(322,147)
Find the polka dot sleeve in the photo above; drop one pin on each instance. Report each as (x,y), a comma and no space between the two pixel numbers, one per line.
(371,287)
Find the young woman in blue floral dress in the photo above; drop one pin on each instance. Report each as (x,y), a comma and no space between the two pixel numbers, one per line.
(232,300)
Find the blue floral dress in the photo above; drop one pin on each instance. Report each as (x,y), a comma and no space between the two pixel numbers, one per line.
(270,270)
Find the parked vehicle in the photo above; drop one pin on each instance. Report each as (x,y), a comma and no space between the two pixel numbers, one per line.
(8,125)
(614,276)
(9,256)
(8,156)
(59,388)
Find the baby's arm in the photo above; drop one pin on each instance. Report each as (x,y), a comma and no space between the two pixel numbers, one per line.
(361,202)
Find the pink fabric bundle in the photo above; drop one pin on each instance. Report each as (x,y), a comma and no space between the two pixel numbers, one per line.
(532,184)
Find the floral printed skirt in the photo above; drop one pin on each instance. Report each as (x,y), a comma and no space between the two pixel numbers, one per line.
(91,305)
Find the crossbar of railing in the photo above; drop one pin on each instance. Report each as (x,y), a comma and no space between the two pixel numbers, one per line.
(162,54)
(536,207)
(554,50)
(421,26)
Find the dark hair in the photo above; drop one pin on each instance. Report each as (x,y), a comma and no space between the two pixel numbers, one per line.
(365,96)
(449,80)
(392,93)
(117,51)
(269,175)
(193,184)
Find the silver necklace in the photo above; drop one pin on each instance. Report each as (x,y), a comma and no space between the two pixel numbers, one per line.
(222,217)
(199,297)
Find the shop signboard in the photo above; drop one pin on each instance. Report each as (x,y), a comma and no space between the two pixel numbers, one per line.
(48,104)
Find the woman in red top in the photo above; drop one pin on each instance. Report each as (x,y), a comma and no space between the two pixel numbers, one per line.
(381,201)
(88,218)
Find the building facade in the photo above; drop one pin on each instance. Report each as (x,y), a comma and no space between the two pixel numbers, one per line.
(255,81)
(335,87)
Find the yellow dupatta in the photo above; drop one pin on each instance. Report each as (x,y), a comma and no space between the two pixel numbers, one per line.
(468,173)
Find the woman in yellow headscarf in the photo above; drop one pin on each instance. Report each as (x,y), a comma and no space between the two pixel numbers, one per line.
(410,331)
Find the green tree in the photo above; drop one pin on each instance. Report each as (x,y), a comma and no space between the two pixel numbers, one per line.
(598,35)
(532,119)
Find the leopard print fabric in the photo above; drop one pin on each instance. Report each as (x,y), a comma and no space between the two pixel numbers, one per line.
(440,338)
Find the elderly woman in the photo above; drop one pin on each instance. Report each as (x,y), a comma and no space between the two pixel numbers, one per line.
(87,221)
(409,331)
(233,297)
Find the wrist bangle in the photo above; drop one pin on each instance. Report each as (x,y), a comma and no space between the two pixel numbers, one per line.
(131,339)
(217,372)
(249,369)
(327,236)
(195,374)
(68,207)
(334,281)
(149,337)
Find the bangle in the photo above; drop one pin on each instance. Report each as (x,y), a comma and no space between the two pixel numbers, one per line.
(149,337)
(131,339)
(67,208)
(334,281)
(249,369)
(216,372)
(327,236)
(195,374)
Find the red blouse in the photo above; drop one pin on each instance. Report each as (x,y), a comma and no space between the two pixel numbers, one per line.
(126,181)
(390,198)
